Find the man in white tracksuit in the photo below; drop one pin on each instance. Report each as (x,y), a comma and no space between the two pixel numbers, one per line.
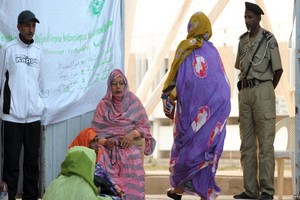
(21,107)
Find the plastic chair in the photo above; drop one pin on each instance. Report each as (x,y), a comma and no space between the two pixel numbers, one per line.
(289,153)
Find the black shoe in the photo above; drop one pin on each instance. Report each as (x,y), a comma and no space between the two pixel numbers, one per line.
(242,195)
(173,195)
(265,196)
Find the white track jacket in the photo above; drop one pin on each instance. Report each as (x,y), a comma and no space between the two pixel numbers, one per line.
(20,71)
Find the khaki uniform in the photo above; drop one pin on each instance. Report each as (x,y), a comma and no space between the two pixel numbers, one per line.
(257,111)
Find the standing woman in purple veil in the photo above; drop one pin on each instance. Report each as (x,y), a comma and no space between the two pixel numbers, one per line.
(197,82)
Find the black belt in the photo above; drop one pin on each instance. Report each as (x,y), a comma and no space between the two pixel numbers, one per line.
(247,83)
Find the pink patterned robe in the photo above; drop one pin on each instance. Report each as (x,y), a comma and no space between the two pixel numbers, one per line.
(115,117)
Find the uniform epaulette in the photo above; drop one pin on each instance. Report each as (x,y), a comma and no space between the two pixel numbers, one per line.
(268,35)
(243,35)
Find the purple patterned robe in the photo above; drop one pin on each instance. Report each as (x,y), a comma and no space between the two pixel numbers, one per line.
(203,106)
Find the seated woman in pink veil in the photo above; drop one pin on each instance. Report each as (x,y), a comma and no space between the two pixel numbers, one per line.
(121,121)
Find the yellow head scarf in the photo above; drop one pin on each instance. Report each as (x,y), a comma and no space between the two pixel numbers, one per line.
(199,29)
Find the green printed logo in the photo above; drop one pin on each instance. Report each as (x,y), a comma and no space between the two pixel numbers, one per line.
(96,6)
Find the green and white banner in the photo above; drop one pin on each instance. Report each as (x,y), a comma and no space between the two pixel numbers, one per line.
(82,42)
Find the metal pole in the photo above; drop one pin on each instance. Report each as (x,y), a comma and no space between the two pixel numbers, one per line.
(297,85)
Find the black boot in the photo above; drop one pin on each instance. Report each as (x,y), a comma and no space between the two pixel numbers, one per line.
(173,195)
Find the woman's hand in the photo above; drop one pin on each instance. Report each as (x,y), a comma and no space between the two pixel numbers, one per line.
(3,186)
(126,141)
(164,102)
(169,107)
(109,144)
(119,191)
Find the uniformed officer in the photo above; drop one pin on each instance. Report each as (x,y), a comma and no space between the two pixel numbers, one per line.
(259,62)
